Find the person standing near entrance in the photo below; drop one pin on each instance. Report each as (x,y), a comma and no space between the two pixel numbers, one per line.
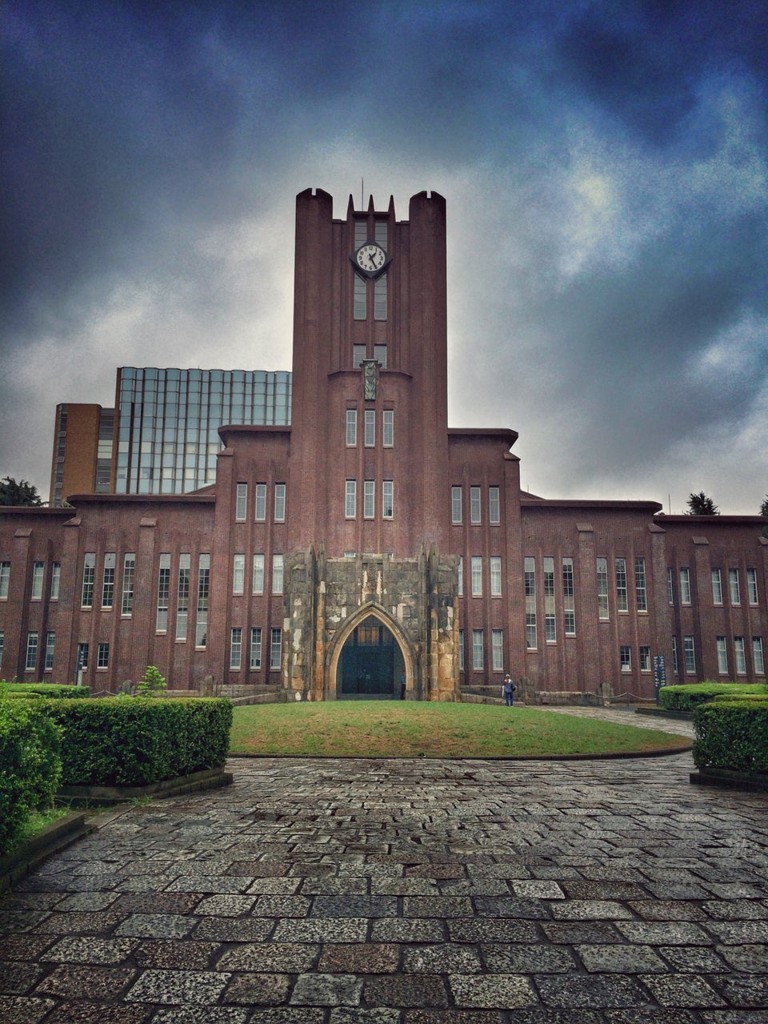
(508,689)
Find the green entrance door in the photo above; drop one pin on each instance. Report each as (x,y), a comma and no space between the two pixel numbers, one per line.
(371,664)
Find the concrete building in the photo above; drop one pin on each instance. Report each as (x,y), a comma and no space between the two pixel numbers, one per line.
(365,548)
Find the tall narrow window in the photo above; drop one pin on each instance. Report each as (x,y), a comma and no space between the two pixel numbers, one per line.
(621,585)
(260,505)
(163,593)
(108,581)
(358,351)
(722,656)
(478,660)
(369,433)
(550,619)
(475,515)
(129,576)
(30,663)
(758,658)
(641,591)
(82,656)
(360,296)
(203,595)
(55,580)
(670,586)
(388,428)
(235,648)
(279,503)
(675,659)
(38,571)
(89,579)
(50,650)
(497,650)
(752,586)
(460,583)
(350,499)
(625,658)
(2,646)
(387,499)
(182,597)
(495,576)
(740,655)
(602,589)
(456,505)
(380,298)
(717,587)
(369,499)
(238,574)
(685,586)
(351,428)
(461,650)
(689,654)
(477,576)
(644,653)
(241,502)
(102,656)
(531,638)
(380,355)
(275,648)
(258,574)
(733,582)
(494,506)
(278,568)
(5,579)
(255,651)
(569,606)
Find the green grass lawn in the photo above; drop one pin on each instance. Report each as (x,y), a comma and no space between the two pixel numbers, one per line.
(426,729)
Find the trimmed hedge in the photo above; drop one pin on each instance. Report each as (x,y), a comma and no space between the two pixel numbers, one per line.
(732,735)
(689,696)
(30,763)
(135,741)
(54,690)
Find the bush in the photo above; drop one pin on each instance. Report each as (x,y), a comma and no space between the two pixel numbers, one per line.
(689,696)
(31,766)
(152,683)
(137,741)
(55,690)
(732,735)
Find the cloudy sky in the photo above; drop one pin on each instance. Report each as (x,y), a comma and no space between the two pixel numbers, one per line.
(605,166)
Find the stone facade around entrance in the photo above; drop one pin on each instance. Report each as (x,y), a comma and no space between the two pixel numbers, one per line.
(415,599)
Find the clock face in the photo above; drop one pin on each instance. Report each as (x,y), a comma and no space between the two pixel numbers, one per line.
(371,258)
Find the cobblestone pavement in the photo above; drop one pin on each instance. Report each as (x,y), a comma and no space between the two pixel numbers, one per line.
(405,892)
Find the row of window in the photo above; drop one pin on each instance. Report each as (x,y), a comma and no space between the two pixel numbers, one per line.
(255,645)
(734,586)
(475,505)
(387,506)
(38,580)
(49,652)
(739,655)
(477,575)
(369,428)
(478,652)
(260,503)
(550,612)
(258,574)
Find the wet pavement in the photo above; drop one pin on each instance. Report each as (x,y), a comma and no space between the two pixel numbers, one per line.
(406,892)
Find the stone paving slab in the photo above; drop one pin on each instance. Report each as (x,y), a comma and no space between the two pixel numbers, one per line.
(406,892)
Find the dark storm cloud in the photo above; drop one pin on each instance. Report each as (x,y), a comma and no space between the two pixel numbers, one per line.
(604,164)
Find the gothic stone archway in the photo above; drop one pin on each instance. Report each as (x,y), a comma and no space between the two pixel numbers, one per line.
(370,660)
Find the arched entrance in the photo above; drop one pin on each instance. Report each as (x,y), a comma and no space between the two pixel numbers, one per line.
(370,665)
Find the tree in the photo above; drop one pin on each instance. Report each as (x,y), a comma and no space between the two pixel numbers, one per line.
(700,505)
(764,507)
(21,493)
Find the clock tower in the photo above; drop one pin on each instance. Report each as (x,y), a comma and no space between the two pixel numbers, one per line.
(372,594)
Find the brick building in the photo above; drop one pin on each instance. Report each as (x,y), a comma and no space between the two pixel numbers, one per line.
(368,549)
